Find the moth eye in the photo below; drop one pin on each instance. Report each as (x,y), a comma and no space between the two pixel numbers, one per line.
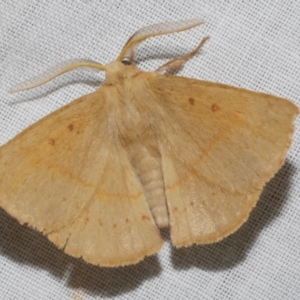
(126,61)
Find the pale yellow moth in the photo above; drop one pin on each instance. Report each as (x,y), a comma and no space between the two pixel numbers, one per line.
(100,175)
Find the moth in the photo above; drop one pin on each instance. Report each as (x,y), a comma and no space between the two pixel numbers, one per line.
(146,150)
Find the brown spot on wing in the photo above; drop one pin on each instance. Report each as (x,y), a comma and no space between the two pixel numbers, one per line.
(191,101)
(145,218)
(215,107)
(71,127)
(52,142)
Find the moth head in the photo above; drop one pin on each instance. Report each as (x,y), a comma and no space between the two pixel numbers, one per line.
(116,72)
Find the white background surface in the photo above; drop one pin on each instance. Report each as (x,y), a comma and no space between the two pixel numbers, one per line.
(254,44)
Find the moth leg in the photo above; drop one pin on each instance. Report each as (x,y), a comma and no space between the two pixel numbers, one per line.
(177,62)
